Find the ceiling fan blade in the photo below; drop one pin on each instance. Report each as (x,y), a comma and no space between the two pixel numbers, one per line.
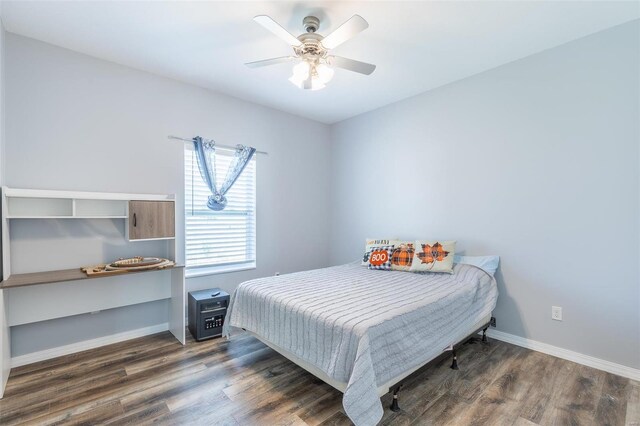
(272,61)
(351,64)
(344,32)
(277,29)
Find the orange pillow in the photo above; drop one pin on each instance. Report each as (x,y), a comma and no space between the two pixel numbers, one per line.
(402,256)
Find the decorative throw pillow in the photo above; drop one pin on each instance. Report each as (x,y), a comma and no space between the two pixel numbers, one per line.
(380,257)
(371,243)
(433,256)
(402,255)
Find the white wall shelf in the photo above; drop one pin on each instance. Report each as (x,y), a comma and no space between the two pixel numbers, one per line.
(43,204)
(61,293)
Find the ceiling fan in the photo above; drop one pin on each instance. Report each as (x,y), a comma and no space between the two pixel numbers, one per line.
(314,65)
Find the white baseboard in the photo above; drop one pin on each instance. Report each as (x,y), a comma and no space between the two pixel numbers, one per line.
(589,361)
(86,344)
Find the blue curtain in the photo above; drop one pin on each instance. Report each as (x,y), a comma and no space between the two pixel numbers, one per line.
(206,154)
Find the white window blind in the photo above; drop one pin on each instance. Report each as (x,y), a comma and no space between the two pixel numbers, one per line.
(226,239)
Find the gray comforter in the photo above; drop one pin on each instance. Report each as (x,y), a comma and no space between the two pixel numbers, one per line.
(364,327)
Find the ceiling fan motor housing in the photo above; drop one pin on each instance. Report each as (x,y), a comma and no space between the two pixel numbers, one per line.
(311,24)
(311,45)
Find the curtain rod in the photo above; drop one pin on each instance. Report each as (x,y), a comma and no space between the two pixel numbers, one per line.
(217,145)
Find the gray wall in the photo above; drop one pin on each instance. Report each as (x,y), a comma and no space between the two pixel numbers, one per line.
(535,161)
(32,337)
(2,37)
(2,92)
(79,123)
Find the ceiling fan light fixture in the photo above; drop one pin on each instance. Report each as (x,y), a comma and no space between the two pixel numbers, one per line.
(325,73)
(301,70)
(321,74)
(316,84)
(300,74)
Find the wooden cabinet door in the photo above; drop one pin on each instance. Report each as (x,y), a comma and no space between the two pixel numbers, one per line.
(151,219)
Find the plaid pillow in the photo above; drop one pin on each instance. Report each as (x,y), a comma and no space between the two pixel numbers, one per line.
(402,256)
(380,257)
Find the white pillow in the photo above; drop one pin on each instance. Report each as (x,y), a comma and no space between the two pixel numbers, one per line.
(489,264)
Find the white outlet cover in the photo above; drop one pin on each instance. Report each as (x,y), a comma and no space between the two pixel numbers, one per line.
(556,313)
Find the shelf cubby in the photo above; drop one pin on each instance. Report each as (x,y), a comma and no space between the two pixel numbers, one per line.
(100,208)
(25,207)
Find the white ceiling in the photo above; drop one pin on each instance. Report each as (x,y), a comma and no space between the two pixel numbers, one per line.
(417,46)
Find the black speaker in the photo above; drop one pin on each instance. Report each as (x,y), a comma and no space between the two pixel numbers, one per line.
(207,310)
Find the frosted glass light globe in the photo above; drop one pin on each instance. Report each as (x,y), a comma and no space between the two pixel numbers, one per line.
(325,73)
(301,70)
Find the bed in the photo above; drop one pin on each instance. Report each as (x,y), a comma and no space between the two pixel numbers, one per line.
(362,331)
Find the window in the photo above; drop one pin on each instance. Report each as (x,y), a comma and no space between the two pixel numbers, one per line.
(219,241)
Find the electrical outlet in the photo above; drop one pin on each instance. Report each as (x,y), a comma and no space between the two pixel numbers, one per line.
(556,313)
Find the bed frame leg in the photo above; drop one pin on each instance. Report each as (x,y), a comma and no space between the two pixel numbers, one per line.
(394,404)
(484,335)
(454,364)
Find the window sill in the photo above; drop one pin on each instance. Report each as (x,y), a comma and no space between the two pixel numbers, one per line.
(215,270)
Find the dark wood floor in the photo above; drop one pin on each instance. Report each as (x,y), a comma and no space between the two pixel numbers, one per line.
(243,382)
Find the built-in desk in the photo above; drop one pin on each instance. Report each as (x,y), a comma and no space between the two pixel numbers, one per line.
(40,296)
(51,277)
